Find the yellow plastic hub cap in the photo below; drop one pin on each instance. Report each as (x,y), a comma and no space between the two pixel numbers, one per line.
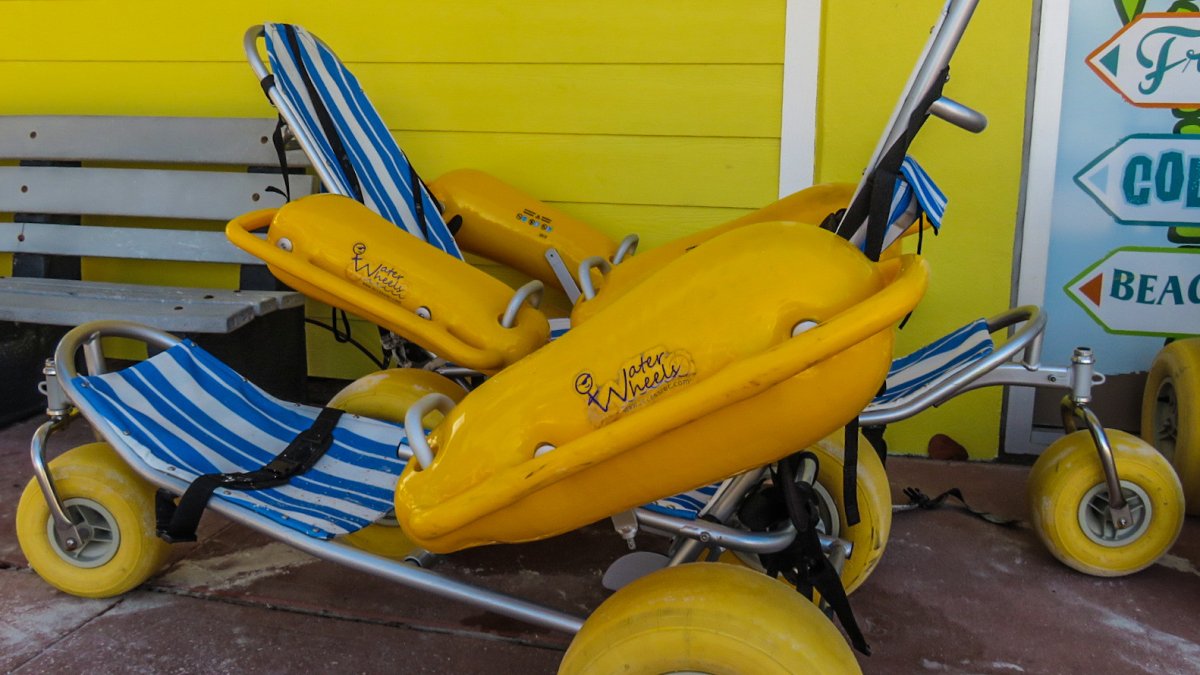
(97,548)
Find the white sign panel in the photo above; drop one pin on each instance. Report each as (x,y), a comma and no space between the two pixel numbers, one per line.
(1142,291)
(1153,61)
(1150,179)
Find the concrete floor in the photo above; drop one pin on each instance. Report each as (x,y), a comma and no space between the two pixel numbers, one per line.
(953,594)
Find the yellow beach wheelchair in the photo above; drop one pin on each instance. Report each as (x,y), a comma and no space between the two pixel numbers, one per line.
(677,407)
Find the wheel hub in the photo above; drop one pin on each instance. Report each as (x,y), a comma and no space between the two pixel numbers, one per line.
(99,536)
(1095,515)
(1166,419)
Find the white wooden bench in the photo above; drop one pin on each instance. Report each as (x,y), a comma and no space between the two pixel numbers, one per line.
(142,188)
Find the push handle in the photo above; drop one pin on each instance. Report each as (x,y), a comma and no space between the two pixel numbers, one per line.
(959,115)
(585,274)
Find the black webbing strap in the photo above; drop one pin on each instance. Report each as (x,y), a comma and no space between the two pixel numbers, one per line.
(281,153)
(850,473)
(178,523)
(875,206)
(326,122)
(809,568)
(920,500)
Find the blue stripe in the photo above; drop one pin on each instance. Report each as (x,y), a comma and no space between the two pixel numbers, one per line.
(900,390)
(668,511)
(361,125)
(943,344)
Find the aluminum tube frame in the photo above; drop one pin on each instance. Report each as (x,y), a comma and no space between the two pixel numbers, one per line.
(69,535)
(333,551)
(1072,411)
(714,534)
(935,57)
(722,507)
(1027,339)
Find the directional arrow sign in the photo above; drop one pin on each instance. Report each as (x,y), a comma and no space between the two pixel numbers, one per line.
(1152,61)
(1142,291)
(1147,179)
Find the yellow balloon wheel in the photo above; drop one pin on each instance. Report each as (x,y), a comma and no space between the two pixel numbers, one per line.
(710,618)
(1068,504)
(869,537)
(1171,413)
(100,491)
(387,395)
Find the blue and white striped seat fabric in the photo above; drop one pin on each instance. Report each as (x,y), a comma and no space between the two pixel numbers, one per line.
(184,413)
(389,185)
(934,362)
(690,504)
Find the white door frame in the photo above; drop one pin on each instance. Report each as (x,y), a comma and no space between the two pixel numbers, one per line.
(801,66)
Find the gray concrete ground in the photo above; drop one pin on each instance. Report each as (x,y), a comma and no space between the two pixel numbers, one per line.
(953,594)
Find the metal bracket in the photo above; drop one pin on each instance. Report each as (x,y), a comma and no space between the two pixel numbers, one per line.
(69,535)
(626,525)
(559,267)
(1074,408)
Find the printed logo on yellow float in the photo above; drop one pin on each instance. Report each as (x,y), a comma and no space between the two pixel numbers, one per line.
(640,380)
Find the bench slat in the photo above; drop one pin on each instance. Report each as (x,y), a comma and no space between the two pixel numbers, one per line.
(191,140)
(122,242)
(206,195)
(191,310)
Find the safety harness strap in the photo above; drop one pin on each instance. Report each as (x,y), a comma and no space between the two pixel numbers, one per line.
(178,523)
(327,125)
(920,500)
(807,566)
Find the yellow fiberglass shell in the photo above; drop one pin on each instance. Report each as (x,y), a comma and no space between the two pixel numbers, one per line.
(810,205)
(501,223)
(338,251)
(691,376)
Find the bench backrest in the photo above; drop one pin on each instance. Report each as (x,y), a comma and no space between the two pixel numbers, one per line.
(172,170)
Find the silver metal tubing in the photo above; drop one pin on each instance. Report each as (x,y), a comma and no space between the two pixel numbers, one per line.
(721,508)
(1072,411)
(1082,362)
(559,267)
(415,431)
(965,379)
(934,59)
(959,115)
(93,356)
(532,292)
(712,534)
(333,551)
(70,536)
(627,247)
(585,274)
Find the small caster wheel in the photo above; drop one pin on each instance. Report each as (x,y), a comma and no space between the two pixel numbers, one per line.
(1171,413)
(99,490)
(1069,497)
(387,395)
(710,618)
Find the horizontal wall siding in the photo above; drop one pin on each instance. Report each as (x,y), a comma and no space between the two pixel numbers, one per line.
(654,116)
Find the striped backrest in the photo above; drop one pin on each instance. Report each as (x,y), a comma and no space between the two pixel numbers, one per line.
(184,413)
(339,123)
(934,362)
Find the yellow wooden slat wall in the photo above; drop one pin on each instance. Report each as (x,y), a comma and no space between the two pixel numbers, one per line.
(651,116)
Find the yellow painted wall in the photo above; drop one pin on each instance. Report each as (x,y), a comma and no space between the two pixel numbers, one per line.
(652,116)
(864,66)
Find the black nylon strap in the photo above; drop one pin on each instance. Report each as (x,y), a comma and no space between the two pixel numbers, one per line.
(281,153)
(812,569)
(920,500)
(873,207)
(850,474)
(179,523)
(326,122)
